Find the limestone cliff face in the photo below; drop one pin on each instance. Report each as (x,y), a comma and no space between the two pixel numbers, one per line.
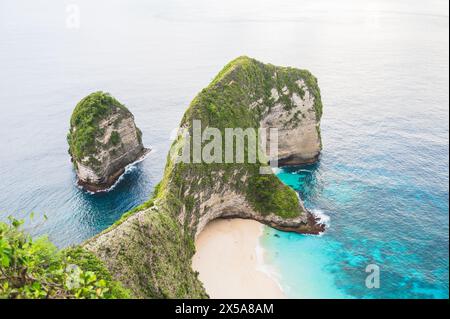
(103,140)
(299,140)
(150,248)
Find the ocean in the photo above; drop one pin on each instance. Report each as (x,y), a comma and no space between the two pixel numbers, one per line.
(382,180)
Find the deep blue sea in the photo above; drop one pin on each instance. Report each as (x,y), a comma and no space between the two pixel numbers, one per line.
(382,179)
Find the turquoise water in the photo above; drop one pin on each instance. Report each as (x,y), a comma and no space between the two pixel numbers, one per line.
(380,216)
(383,71)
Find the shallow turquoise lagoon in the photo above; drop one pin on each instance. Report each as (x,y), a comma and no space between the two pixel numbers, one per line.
(379,219)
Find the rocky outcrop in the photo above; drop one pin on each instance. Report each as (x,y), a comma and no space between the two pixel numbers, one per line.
(150,248)
(299,140)
(229,204)
(103,140)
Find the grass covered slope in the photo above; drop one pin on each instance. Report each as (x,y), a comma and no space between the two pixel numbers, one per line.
(150,249)
(240,96)
(150,254)
(242,82)
(84,123)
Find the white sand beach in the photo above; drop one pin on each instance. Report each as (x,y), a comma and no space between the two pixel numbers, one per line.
(228,262)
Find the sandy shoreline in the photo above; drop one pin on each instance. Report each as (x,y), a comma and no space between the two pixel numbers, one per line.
(228,262)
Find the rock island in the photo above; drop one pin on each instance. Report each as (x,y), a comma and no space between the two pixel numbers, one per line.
(103,139)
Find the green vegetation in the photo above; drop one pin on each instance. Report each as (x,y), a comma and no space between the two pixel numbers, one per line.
(223,104)
(268,195)
(89,262)
(248,79)
(36,269)
(154,262)
(115,138)
(84,123)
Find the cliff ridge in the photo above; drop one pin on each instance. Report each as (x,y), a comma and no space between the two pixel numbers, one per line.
(150,249)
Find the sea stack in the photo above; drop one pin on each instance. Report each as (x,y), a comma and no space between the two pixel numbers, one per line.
(103,139)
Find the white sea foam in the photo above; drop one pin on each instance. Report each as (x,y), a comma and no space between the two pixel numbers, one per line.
(262,266)
(276,170)
(129,168)
(323,218)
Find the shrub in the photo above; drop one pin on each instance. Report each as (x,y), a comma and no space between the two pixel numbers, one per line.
(268,195)
(37,269)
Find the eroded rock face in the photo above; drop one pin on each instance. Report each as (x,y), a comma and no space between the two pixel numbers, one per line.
(299,140)
(229,204)
(103,140)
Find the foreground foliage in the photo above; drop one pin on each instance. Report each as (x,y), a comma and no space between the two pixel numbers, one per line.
(37,269)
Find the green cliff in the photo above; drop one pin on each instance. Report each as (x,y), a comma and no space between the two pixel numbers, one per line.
(150,249)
